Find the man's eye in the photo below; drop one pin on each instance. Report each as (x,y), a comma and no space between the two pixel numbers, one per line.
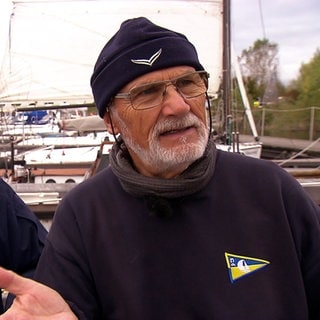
(185,82)
(148,90)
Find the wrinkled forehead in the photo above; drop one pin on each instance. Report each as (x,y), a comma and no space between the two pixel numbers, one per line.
(156,76)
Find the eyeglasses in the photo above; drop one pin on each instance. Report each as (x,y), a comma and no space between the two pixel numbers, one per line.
(151,95)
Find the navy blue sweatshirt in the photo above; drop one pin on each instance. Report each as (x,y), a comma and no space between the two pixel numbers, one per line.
(245,247)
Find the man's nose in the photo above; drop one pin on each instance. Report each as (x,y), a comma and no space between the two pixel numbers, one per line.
(173,101)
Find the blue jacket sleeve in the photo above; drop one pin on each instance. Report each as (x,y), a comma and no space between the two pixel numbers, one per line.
(22,236)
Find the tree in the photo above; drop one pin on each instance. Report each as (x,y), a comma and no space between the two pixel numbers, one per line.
(308,82)
(259,66)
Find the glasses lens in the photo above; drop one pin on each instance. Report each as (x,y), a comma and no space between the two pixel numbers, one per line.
(151,95)
(147,96)
(192,85)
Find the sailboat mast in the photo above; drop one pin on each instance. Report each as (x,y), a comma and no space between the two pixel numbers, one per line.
(226,67)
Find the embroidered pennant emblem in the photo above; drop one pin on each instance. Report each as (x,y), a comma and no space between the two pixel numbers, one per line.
(148,62)
(241,266)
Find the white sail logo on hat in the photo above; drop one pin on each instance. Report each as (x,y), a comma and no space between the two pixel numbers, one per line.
(148,62)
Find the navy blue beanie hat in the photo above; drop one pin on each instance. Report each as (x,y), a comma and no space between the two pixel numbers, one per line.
(137,48)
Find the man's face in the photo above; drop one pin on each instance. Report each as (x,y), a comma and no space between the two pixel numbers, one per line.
(162,141)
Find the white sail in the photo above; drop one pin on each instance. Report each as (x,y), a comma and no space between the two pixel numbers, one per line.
(53,45)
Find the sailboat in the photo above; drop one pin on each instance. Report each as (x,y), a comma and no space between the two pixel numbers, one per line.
(228,139)
(52,46)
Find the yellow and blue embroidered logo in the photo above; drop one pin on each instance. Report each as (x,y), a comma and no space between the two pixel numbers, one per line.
(241,266)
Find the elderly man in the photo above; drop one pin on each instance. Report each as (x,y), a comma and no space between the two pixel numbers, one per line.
(173,229)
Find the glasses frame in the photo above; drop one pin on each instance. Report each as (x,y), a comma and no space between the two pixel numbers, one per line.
(127,95)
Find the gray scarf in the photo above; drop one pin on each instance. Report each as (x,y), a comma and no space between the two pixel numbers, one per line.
(193,179)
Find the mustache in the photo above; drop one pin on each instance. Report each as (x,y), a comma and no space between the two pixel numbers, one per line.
(167,125)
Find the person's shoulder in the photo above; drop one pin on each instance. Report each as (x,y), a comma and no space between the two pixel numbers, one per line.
(240,164)
(98,184)
(258,176)
(14,209)
(95,192)
(102,178)
(13,202)
(5,188)
(239,159)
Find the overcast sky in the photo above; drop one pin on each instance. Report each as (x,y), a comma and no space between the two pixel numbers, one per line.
(293,24)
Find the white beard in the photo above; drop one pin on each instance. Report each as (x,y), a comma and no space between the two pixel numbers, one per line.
(164,159)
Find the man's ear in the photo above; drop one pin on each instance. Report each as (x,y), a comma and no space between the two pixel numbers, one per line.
(110,125)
